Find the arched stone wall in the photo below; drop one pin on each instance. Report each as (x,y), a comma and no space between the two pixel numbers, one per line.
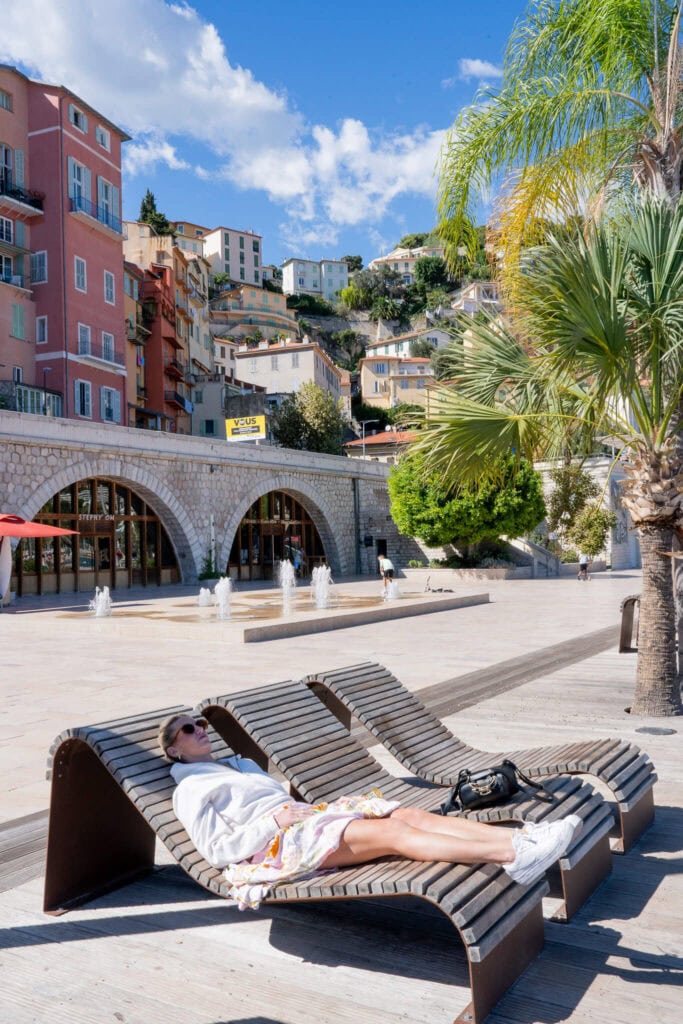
(316,507)
(173,516)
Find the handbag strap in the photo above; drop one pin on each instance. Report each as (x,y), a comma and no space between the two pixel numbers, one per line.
(543,793)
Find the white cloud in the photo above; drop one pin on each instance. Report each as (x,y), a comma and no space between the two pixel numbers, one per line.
(163,73)
(473,68)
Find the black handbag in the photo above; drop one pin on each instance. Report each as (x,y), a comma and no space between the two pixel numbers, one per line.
(487,786)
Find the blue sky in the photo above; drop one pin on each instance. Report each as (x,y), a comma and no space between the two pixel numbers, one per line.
(316,125)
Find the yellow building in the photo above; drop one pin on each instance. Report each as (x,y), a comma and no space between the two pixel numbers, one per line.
(387,381)
(238,312)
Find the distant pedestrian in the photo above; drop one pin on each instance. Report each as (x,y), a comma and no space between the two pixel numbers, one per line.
(386,567)
(584,562)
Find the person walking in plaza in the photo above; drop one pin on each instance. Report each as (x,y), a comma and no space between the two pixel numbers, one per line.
(241,819)
(386,567)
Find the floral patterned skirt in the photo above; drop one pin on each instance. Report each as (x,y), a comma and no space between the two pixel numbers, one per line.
(297,851)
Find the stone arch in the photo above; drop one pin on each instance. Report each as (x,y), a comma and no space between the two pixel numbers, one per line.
(173,516)
(316,506)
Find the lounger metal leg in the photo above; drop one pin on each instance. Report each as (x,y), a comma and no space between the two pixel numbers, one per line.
(581,881)
(97,839)
(634,822)
(493,976)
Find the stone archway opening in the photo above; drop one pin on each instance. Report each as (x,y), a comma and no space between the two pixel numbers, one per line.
(276,526)
(121,542)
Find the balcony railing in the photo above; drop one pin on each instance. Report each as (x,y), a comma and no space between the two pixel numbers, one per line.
(12,191)
(99,213)
(175,369)
(101,350)
(18,280)
(173,398)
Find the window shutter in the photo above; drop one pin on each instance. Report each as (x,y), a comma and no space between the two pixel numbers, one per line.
(71,171)
(19,167)
(88,407)
(72,113)
(77,398)
(19,233)
(84,122)
(87,183)
(100,191)
(117,407)
(116,202)
(103,404)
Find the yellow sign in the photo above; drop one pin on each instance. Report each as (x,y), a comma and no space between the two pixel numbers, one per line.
(246,428)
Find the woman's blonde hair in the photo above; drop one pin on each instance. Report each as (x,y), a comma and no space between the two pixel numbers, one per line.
(168,733)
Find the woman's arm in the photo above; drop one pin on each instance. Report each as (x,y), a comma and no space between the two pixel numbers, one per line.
(221,843)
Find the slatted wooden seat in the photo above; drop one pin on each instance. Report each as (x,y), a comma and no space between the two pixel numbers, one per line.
(285,726)
(421,742)
(112,796)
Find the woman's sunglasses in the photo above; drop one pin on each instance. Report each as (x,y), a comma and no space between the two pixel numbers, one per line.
(189,727)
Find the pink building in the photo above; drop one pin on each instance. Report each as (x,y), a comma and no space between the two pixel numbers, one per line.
(76,270)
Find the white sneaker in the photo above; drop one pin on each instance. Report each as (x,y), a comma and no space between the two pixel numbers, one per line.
(535,853)
(538,828)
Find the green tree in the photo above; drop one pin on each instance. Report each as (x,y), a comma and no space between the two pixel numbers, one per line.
(353,262)
(420,348)
(220,280)
(589,532)
(589,107)
(573,488)
(604,315)
(414,241)
(150,215)
(354,297)
(385,309)
(421,506)
(352,348)
(360,411)
(310,420)
(430,272)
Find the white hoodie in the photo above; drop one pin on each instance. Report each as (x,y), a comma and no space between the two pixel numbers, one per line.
(227,807)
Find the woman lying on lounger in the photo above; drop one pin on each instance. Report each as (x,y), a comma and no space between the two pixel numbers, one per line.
(241,819)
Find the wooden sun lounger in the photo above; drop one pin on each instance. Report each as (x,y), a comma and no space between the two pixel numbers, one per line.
(285,726)
(112,796)
(421,742)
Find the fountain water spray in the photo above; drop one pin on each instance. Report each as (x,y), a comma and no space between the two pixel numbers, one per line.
(222,593)
(321,581)
(101,603)
(391,591)
(287,581)
(204,600)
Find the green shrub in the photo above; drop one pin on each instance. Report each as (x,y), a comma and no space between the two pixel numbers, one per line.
(414,563)
(569,555)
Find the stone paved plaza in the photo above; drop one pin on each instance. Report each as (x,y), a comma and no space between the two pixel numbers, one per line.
(162,949)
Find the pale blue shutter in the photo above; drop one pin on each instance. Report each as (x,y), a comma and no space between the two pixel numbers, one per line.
(103,404)
(19,167)
(88,404)
(117,407)
(71,173)
(100,191)
(87,183)
(84,122)
(116,202)
(77,398)
(72,110)
(19,233)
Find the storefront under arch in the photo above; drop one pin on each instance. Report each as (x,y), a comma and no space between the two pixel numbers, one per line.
(121,543)
(276,527)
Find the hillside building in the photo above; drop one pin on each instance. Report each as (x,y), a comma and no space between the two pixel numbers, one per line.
(388,381)
(404,260)
(235,253)
(322,278)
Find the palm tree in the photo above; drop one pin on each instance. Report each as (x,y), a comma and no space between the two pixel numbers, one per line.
(590,101)
(596,353)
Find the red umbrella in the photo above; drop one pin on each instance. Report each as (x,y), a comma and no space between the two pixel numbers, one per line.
(15,526)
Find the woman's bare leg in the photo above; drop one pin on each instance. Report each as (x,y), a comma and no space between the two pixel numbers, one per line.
(461,828)
(368,838)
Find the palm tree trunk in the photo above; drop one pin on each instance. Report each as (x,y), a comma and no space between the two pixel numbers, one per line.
(658,688)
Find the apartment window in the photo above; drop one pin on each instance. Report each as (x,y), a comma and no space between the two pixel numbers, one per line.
(252,366)
(6,230)
(17,320)
(222,348)
(39,267)
(80,274)
(83,398)
(208,428)
(108,346)
(273,362)
(226,239)
(6,269)
(241,241)
(109,288)
(5,100)
(302,282)
(405,384)
(295,360)
(255,245)
(110,405)
(256,278)
(207,342)
(198,233)
(375,386)
(78,118)
(256,262)
(180,229)
(198,396)
(83,340)
(102,136)
(241,273)
(380,368)
(41,330)
(241,257)
(226,268)
(17,374)
(108,203)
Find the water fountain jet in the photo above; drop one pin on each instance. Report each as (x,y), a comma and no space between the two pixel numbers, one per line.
(101,603)
(287,581)
(204,600)
(222,593)
(321,581)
